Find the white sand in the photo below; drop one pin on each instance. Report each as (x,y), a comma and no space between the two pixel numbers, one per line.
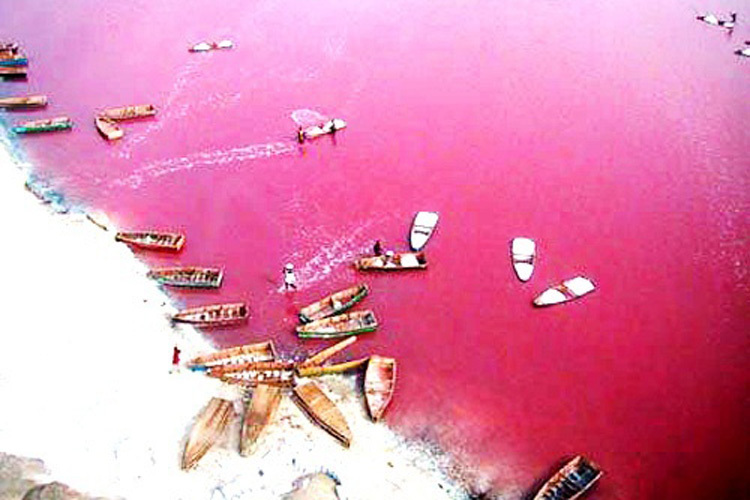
(85,353)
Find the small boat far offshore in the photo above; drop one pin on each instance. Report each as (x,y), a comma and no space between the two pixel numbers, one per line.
(352,323)
(523,254)
(380,382)
(570,482)
(189,277)
(32,101)
(333,304)
(214,315)
(47,125)
(564,292)
(207,46)
(328,127)
(153,240)
(421,229)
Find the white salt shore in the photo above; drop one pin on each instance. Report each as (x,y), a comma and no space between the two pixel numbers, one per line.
(85,386)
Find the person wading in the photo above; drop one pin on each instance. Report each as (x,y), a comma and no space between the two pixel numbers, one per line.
(290,280)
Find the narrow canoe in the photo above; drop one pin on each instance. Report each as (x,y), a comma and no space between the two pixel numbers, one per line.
(206,46)
(399,262)
(108,128)
(321,410)
(421,229)
(32,101)
(13,71)
(259,412)
(211,424)
(189,277)
(523,254)
(13,61)
(48,125)
(214,315)
(322,356)
(279,373)
(571,481)
(380,382)
(9,47)
(261,351)
(153,240)
(564,292)
(352,323)
(129,112)
(333,304)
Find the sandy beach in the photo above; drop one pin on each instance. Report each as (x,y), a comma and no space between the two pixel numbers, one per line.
(86,385)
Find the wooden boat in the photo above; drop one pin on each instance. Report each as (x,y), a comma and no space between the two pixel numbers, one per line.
(262,351)
(333,304)
(13,61)
(566,291)
(280,373)
(259,413)
(47,125)
(189,277)
(571,481)
(317,370)
(352,323)
(129,112)
(32,101)
(380,382)
(108,128)
(321,410)
(322,356)
(421,229)
(396,262)
(13,71)
(214,315)
(9,47)
(326,128)
(211,424)
(522,254)
(207,46)
(153,240)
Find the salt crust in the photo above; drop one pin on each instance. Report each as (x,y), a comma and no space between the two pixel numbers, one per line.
(85,382)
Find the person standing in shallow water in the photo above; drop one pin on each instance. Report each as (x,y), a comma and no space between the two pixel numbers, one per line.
(378,248)
(300,135)
(290,280)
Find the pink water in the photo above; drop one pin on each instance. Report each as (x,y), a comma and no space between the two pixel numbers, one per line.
(615,135)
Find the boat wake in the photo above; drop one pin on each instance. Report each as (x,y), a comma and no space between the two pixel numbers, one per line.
(308,117)
(219,157)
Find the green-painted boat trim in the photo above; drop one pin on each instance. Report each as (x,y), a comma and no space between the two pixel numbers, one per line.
(317,335)
(46,128)
(357,298)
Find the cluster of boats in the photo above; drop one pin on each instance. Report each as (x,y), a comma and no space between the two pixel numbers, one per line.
(13,63)
(108,121)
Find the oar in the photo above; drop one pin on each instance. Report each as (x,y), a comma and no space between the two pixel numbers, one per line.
(323,355)
(315,371)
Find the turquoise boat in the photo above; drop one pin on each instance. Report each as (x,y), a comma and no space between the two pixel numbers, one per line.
(15,61)
(48,125)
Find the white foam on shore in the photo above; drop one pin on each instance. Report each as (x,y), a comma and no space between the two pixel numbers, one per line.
(85,356)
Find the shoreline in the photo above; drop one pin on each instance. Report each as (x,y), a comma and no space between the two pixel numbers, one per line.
(86,376)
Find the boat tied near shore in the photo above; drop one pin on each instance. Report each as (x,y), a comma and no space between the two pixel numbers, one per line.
(321,410)
(214,315)
(260,351)
(46,125)
(380,382)
(108,128)
(564,292)
(208,428)
(13,71)
(421,229)
(280,373)
(31,101)
(570,482)
(396,262)
(352,323)
(523,254)
(333,304)
(129,112)
(152,240)
(188,277)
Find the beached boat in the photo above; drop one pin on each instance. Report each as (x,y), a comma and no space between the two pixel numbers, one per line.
(189,277)
(352,323)
(214,315)
(571,481)
(566,291)
(108,128)
(333,304)
(47,125)
(13,61)
(396,262)
(259,412)
(522,254)
(321,357)
(421,229)
(206,46)
(326,128)
(313,401)
(317,370)
(13,71)
(32,101)
(129,112)
(211,424)
(380,382)
(261,351)
(152,240)
(266,369)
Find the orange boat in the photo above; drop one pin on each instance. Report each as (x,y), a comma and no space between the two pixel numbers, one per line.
(32,101)
(13,71)
(380,382)
(152,240)
(571,481)
(259,412)
(262,351)
(129,112)
(253,370)
(313,401)
(214,315)
(108,128)
(209,427)
(189,277)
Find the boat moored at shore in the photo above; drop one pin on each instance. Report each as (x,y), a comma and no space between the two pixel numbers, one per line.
(259,412)
(260,351)
(188,277)
(352,323)
(321,410)
(214,315)
(152,240)
(208,428)
(46,125)
(396,262)
(570,482)
(32,101)
(380,382)
(333,304)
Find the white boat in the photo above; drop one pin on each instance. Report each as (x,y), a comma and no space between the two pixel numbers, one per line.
(326,128)
(523,253)
(421,229)
(567,290)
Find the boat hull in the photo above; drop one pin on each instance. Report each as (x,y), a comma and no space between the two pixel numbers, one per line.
(129,112)
(421,229)
(566,291)
(188,277)
(261,351)
(214,315)
(32,101)
(14,61)
(400,262)
(321,410)
(209,427)
(523,255)
(343,325)
(153,240)
(380,382)
(108,128)
(49,125)
(570,482)
(333,304)
(259,413)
